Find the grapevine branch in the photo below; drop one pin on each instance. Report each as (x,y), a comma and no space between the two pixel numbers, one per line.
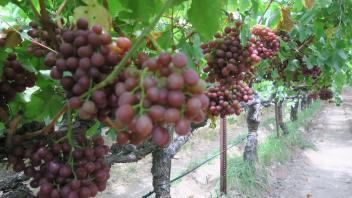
(12,129)
(137,44)
(59,11)
(47,22)
(266,9)
(3,115)
(46,129)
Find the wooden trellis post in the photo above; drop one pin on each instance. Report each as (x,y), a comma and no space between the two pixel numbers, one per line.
(223,152)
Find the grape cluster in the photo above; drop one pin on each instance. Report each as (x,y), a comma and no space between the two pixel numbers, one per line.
(88,56)
(14,79)
(225,99)
(41,36)
(313,96)
(164,93)
(265,44)
(325,94)
(59,169)
(314,72)
(227,59)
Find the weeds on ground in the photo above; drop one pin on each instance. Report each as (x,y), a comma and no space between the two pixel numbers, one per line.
(250,181)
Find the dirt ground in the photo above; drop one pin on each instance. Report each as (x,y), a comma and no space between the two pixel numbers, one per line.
(134,180)
(326,171)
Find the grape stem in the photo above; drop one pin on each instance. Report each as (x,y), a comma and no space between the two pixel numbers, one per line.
(266,9)
(155,43)
(141,106)
(12,129)
(129,54)
(31,40)
(59,11)
(69,136)
(111,124)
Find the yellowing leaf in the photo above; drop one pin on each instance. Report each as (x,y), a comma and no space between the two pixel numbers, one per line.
(330,32)
(12,38)
(156,35)
(286,23)
(94,13)
(308,4)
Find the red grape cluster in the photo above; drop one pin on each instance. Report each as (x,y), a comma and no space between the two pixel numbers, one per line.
(164,93)
(325,94)
(88,56)
(313,96)
(264,45)
(314,72)
(14,79)
(225,99)
(40,36)
(227,59)
(59,169)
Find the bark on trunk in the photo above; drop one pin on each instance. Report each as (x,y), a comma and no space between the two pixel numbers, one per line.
(280,117)
(304,101)
(309,101)
(12,186)
(294,110)
(253,121)
(162,163)
(161,172)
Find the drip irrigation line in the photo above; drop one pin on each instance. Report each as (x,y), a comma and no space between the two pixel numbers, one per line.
(240,140)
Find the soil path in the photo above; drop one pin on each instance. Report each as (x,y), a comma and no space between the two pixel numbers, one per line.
(326,171)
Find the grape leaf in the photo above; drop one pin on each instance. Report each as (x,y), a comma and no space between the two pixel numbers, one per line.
(2,128)
(139,10)
(93,130)
(205,17)
(94,13)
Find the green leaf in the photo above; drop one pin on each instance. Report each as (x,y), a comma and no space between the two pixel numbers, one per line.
(44,103)
(139,10)
(293,65)
(112,134)
(275,15)
(340,80)
(274,73)
(245,33)
(114,8)
(244,5)
(342,54)
(298,5)
(93,130)
(33,109)
(205,17)
(2,128)
(165,39)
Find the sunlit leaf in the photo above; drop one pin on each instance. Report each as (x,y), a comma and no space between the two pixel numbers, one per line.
(286,22)
(94,13)
(309,4)
(205,16)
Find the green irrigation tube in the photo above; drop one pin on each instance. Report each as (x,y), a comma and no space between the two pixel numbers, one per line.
(240,140)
